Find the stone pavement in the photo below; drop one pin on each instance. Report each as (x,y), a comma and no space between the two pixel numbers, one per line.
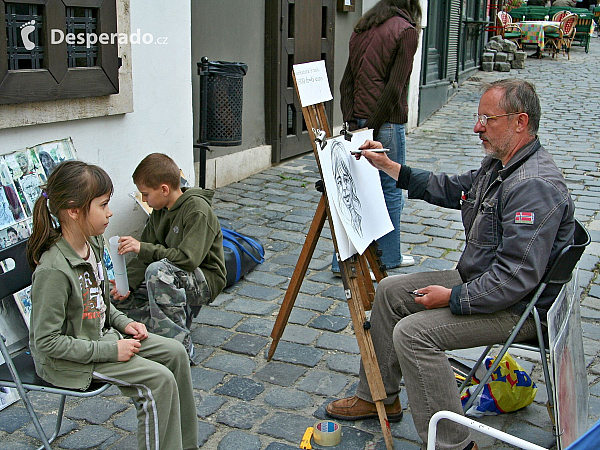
(247,403)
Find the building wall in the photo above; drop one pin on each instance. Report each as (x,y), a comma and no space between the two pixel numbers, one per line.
(161,121)
(230,30)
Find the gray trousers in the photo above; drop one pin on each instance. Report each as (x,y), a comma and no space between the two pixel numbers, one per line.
(410,342)
(158,378)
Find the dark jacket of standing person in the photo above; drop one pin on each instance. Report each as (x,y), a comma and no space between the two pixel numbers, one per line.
(375,83)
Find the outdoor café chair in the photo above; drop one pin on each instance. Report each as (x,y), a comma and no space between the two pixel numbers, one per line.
(509,30)
(19,371)
(563,37)
(560,15)
(559,273)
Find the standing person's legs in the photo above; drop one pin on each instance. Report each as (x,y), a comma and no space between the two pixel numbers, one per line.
(391,135)
(158,378)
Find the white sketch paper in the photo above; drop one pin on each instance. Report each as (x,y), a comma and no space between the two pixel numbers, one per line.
(355,196)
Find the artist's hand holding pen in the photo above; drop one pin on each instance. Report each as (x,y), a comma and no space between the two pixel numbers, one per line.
(379,160)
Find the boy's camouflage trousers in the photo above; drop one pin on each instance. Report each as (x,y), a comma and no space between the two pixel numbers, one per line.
(167,300)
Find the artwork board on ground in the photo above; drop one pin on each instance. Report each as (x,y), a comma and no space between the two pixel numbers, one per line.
(568,365)
(22,175)
(356,201)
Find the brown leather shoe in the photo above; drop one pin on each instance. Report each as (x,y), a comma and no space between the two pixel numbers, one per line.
(354,408)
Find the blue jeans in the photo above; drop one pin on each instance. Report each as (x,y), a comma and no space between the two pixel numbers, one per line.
(391,135)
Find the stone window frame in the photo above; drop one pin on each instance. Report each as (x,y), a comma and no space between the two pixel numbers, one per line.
(56,80)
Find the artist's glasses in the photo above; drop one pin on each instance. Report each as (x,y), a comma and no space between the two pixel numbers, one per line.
(483,119)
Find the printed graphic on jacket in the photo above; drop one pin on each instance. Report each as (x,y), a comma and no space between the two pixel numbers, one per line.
(93,302)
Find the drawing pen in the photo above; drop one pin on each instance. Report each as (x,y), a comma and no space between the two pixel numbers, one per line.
(374,150)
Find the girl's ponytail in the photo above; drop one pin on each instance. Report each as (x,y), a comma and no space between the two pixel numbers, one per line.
(45,232)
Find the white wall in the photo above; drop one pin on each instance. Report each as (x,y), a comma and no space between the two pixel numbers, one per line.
(161,121)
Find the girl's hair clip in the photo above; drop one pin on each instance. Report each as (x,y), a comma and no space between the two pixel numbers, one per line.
(45,194)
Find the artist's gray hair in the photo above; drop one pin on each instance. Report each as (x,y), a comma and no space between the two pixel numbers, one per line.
(519,96)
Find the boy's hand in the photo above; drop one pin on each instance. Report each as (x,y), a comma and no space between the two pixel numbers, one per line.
(127,348)
(137,330)
(115,294)
(128,244)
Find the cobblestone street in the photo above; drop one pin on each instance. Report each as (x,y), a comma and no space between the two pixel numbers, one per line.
(247,403)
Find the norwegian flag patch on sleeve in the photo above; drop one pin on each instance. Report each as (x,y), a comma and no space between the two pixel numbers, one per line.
(525,217)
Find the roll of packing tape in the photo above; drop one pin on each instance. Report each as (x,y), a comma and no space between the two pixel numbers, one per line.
(327,433)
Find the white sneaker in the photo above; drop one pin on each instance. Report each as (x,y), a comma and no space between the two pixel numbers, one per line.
(407,260)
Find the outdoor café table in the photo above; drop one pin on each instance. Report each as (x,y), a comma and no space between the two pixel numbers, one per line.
(533,31)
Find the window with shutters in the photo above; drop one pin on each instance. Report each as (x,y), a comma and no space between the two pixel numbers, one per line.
(37,60)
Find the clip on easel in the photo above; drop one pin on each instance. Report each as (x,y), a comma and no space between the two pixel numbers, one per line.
(358,286)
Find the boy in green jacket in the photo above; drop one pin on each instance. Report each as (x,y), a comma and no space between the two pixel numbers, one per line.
(180,264)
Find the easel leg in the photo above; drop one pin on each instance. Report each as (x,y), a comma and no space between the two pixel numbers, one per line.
(294,287)
(365,344)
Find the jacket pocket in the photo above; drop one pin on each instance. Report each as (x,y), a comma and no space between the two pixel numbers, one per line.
(64,365)
(467,212)
(484,230)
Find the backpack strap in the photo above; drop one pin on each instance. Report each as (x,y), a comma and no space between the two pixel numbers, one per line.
(230,236)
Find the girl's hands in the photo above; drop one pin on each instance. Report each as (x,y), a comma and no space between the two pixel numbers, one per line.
(127,348)
(115,294)
(137,330)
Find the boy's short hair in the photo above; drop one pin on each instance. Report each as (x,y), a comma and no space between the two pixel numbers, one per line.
(156,169)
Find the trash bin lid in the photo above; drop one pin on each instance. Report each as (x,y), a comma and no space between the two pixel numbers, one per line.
(225,68)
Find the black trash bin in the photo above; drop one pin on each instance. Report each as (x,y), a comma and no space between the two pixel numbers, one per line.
(221,97)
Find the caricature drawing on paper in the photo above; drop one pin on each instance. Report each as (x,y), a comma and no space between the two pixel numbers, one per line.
(353,189)
(350,206)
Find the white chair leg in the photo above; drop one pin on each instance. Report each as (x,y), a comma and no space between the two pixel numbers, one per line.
(509,438)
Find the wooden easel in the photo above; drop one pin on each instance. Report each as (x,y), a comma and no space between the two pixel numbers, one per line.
(358,286)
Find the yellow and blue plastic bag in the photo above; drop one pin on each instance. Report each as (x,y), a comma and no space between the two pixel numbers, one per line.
(510,388)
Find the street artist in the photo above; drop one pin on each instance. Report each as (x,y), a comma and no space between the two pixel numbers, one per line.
(518,216)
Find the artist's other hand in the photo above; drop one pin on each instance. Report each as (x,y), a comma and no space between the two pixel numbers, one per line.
(115,294)
(128,244)
(127,348)
(379,160)
(435,297)
(137,330)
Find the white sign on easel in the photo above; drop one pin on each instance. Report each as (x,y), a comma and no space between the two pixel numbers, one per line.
(313,86)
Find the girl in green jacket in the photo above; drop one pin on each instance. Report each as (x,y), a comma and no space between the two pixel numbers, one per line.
(77,335)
